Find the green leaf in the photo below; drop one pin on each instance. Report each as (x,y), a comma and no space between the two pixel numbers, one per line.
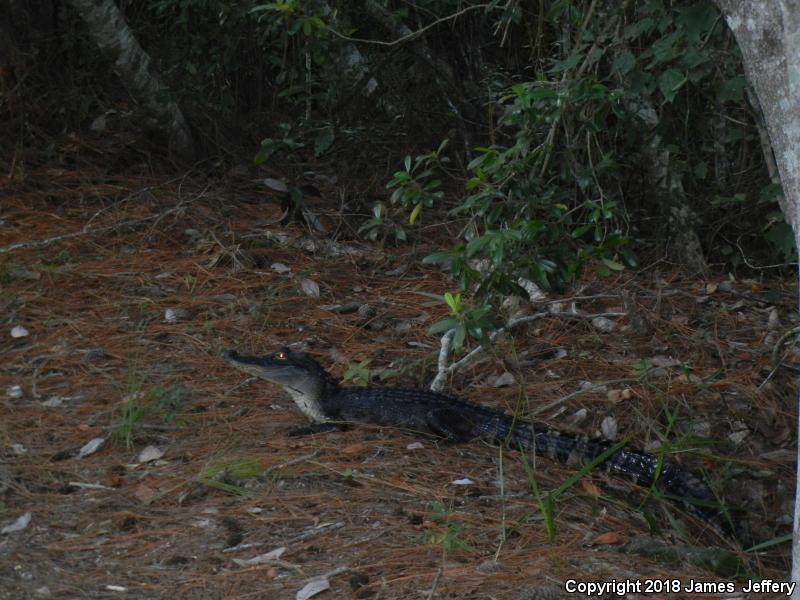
(670,82)
(454,302)
(443,325)
(580,231)
(568,63)
(477,244)
(697,20)
(437,258)
(781,236)
(268,147)
(639,28)
(407,163)
(771,192)
(613,265)
(415,213)
(666,48)
(630,257)
(460,336)
(623,63)
(324,140)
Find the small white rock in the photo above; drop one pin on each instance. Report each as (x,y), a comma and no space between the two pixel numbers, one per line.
(19,331)
(773,321)
(664,361)
(279,267)
(173,315)
(502,380)
(737,437)
(14,391)
(99,124)
(18,525)
(578,416)
(19,449)
(309,287)
(603,324)
(149,454)
(726,286)
(609,428)
(464,481)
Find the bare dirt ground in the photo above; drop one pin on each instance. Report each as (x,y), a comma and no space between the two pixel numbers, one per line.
(126,318)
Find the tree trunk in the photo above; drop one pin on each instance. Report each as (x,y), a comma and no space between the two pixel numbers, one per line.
(107,26)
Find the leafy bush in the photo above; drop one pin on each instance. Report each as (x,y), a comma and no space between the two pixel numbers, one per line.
(553,193)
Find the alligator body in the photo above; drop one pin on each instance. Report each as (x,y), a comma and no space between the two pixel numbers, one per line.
(325,402)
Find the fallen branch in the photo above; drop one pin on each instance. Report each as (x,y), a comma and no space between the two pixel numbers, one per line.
(444,371)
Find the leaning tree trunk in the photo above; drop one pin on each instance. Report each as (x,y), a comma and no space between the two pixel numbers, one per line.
(113,36)
(768,33)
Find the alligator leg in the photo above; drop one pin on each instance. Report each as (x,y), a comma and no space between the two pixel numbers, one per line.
(450,424)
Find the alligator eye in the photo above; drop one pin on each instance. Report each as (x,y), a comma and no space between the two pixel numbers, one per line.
(280,355)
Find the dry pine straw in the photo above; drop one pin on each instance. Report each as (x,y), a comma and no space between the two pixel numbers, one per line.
(96,318)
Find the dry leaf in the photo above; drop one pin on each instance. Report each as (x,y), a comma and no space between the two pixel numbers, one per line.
(608,538)
(145,494)
(91,447)
(614,396)
(312,588)
(354,449)
(503,380)
(591,488)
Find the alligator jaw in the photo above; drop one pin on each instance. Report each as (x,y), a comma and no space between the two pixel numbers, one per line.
(301,385)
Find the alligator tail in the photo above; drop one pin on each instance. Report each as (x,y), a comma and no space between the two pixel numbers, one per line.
(644,469)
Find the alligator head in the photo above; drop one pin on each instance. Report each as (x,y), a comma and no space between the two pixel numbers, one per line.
(300,375)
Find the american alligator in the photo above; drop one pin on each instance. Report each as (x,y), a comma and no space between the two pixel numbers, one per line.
(320,397)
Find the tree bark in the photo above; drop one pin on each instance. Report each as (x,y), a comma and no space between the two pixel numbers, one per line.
(110,31)
(768,34)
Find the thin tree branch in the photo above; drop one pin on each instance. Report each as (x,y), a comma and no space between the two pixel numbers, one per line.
(414,34)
